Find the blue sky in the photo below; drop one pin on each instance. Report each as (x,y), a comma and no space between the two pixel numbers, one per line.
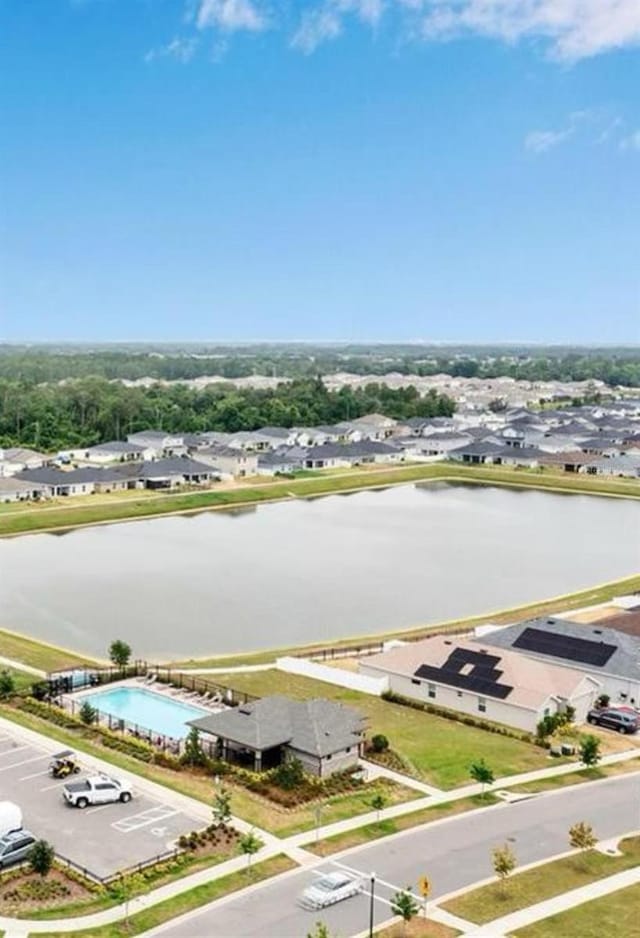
(356,169)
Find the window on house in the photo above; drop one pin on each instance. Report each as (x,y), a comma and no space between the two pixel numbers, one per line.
(482,704)
(459,693)
(431,690)
(414,680)
(330,756)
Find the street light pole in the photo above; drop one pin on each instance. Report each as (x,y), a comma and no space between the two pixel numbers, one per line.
(371,901)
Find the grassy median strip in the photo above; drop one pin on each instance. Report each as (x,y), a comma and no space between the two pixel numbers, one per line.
(576,778)
(185,902)
(131,505)
(615,914)
(417,928)
(384,828)
(542,882)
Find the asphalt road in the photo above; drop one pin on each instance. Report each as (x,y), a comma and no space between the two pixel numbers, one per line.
(452,853)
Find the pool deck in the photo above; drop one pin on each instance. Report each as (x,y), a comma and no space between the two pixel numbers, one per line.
(72,701)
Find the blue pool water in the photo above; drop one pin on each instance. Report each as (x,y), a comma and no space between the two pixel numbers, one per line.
(147,709)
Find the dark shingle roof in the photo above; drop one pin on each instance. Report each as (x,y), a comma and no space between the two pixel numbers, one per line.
(317,726)
(116,446)
(623,662)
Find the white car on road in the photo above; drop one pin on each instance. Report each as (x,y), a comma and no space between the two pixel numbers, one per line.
(329,889)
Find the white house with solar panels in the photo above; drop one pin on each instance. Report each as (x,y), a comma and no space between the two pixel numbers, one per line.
(612,657)
(484,682)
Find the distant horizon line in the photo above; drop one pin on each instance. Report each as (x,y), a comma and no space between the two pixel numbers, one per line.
(339,343)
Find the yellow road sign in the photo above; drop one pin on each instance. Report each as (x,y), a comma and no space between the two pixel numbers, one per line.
(424,886)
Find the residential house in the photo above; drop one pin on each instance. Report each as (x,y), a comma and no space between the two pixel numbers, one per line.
(374,426)
(15,459)
(326,736)
(477,452)
(116,451)
(231,461)
(480,681)
(177,470)
(280,461)
(606,655)
(61,482)
(625,465)
(17,490)
(159,443)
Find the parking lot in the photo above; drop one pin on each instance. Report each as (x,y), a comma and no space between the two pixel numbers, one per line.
(102,839)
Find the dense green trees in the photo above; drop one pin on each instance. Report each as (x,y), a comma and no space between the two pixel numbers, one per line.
(91,410)
(35,365)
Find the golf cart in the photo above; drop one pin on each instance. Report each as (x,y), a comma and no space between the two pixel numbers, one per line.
(63,764)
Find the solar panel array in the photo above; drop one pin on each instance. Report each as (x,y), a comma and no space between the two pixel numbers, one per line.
(483,678)
(564,646)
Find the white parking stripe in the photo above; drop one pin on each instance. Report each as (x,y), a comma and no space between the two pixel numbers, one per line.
(14,765)
(379,882)
(143,819)
(99,807)
(33,775)
(57,785)
(11,749)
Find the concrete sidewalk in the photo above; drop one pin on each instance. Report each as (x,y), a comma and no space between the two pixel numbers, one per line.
(374,771)
(291,846)
(16,928)
(562,903)
(20,666)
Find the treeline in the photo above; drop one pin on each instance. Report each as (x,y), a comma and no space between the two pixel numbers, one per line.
(34,366)
(92,410)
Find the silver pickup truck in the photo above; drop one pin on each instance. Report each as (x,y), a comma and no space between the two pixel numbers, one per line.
(98,789)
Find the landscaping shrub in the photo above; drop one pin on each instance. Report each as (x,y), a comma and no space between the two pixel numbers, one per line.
(289,774)
(379,742)
(456,717)
(37,890)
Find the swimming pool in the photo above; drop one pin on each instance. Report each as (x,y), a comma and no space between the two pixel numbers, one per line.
(147,709)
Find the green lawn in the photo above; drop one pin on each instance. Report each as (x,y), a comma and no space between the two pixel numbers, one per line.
(616,915)
(439,750)
(387,826)
(38,654)
(22,680)
(577,778)
(186,902)
(543,882)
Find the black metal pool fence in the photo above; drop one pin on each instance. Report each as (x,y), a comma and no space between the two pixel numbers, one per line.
(62,685)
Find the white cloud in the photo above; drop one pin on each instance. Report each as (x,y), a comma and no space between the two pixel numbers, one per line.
(593,125)
(326,21)
(181,49)
(231,15)
(568,29)
(632,142)
(575,29)
(539,141)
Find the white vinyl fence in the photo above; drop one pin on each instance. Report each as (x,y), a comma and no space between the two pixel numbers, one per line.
(322,672)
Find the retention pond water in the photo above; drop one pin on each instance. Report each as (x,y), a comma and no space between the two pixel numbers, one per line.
(312,570)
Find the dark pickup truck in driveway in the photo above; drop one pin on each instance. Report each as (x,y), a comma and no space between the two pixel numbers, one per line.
(99,789)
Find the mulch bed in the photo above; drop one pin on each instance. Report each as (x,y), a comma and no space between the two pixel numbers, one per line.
(23,890)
